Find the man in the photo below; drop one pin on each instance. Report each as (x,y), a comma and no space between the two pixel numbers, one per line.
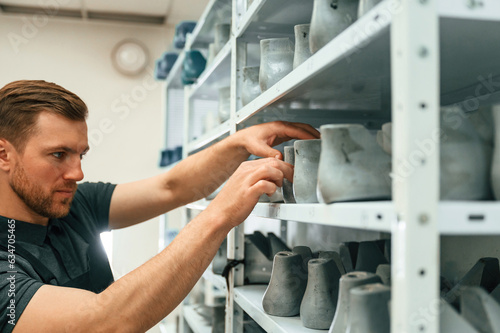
(53,274)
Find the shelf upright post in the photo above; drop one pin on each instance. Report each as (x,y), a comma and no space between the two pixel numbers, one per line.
(165,113)
(188,108)
(415,115)
(236,237)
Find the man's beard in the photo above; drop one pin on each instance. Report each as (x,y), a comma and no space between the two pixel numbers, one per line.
(34,197)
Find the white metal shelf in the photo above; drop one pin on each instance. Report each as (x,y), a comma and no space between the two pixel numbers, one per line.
(267,18)
(327,80)
(216,75)
(469,218)
(216,11)
(359,56)
(351,80)
(249,298)
(472,10)
(456,217)
(210,137)
(216,280)
(196,322)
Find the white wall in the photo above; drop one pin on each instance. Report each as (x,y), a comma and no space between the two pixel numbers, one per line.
(125,129)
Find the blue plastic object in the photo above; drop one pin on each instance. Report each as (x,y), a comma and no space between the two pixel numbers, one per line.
(166,157)
(181,30)
(160,70)
(164,65)
(177,154)
(194,64)
(170,156)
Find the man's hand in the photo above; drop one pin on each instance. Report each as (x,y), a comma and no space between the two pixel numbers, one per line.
(243,189)
(200,174)
(259,139)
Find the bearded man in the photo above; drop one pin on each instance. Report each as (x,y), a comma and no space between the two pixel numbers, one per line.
(54,274)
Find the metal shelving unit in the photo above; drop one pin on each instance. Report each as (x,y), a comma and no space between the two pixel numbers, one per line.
(216,280)
(195,322)
(411,57)
(455,217)
(249,298)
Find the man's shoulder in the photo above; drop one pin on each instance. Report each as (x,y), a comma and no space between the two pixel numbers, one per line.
(96,187)
(93,193)
(91,205)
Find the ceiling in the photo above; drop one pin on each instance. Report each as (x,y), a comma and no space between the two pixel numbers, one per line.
(132,11)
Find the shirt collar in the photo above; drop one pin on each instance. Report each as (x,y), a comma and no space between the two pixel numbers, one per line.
(23,231)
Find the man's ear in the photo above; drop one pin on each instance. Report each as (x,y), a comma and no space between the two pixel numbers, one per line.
(6,151)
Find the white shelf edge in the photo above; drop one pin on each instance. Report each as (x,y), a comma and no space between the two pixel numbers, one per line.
(485,10)
(195,321)
(455,217)
(361,31)
(219,58)
(469,218)
(248,16)
(206,138)
(216,280)
(376,216)
(249,298)
(200,24)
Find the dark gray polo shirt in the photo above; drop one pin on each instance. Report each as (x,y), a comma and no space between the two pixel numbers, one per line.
(58,246)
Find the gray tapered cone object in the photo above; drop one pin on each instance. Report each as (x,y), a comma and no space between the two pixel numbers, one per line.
(305,175)
(335,257)
(496,294)
(370,255)
(352,166)
(259,254)
(480,309)
(258,266)
(289,157)
(320,298)
(330,18)
(287,286)
(450,321)
(348,254)
(276,245)
(384,272)
(485,273)
(306,254)
(346,283)
(369,309)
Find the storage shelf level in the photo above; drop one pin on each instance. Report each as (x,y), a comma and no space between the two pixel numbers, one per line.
(456,217)
(203,34)
(216,75)
(196,322)
(210,137)
(352,72)
(249,298)
(216,280)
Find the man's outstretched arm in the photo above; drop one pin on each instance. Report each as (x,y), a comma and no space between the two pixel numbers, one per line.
(140,299)
(200,174)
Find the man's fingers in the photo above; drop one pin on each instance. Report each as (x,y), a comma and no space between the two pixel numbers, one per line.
(265,186)
(309,129)
(271,152)
(273,170)
(267,172)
